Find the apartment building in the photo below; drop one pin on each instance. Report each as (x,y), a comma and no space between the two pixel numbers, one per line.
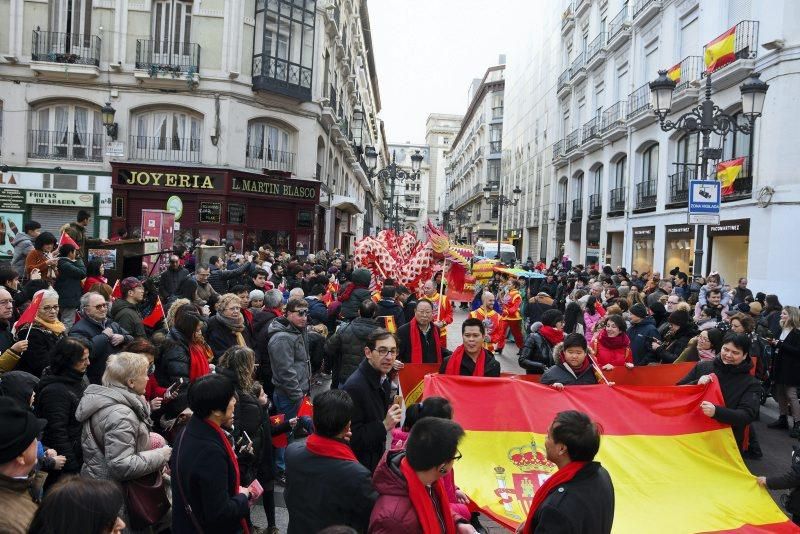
(440,130)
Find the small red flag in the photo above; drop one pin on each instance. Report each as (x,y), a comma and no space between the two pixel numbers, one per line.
(116,291)
(67,240)
(306,408)
(279,441)
(29,315)
(156,315)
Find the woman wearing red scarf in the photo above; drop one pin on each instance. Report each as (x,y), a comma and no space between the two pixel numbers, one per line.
(537,354)
(611,346)
(579,497)
(206,495)
(412,497)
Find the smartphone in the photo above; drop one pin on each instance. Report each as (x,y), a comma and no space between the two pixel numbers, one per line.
(174,388)
(245,436)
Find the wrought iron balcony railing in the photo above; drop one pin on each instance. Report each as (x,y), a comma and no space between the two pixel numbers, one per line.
(162,148)
(261,157)
(66,145)
(167,57)
(646,194)
(69,48)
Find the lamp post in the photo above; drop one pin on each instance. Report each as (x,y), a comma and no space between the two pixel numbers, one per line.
(500,200)
(706,119)
(392,172)
(107,113)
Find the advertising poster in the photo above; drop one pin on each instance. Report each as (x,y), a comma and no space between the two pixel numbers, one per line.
(109,257)
(10,226)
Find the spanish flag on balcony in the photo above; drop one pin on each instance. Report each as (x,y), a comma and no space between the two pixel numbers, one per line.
(673,468)
(728,172)
(721,50)
(674,73)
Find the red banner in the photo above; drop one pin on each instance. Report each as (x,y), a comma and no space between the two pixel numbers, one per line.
(411,380)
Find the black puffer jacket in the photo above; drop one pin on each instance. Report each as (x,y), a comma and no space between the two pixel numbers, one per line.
(740,390)
(560,374)
(174,361)
(787,360)
(537,354)
(57,398)
(345,349)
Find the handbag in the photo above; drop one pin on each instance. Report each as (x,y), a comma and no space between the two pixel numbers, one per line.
(146,499)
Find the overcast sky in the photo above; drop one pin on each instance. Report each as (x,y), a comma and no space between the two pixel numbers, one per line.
(428,51)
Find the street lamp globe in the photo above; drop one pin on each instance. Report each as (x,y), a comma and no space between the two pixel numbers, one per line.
(517,192)
(754,93)
(371,157)
(416,161)
(487,192)
(661,93)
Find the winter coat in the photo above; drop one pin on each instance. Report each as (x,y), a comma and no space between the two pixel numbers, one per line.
(169,281)
(563,374)
(537,353)
(391,308)
(639,333)
(371,400)
(220,278)
(220,338)
(68,282)
(40,342)
(126,315)
(393,511)
(37,259)
(201,467)
(345,348)
(740,391)
(317,312)
(589,321)
(491,367)
(90,281)
(57,398)
(787,360)
(427,343)
(261,322)
(291,366)
(16,494)
(91,331)
(322,491)
(120,422)
(23,244)
(606,355)
(174,362)
(583,505)
(673,344)
(349,308)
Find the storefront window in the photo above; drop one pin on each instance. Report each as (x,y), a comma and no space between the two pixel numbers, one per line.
(679,248)
(643,249)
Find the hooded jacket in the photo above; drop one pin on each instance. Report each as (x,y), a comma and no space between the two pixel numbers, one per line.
(126,315)
(349,308)
(388,307)
(345,348)
(57,399)
(23,244)
(91,331)
(563,374)
(120,421)
(291,366)
(639,333)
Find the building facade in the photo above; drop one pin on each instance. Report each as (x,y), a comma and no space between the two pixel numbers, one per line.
(474,161)
(281,93)
(440,130)
(608,184)
(410,195)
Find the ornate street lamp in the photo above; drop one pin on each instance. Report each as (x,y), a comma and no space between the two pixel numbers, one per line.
(108,120)
(392,172)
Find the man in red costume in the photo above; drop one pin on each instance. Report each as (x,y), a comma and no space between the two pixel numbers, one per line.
(442,309)
(493,339)
(511,316)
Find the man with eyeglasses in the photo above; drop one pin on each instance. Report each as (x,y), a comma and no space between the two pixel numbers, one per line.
(204,288)
(104,336)
(10,351)
(374,412)
(291,366)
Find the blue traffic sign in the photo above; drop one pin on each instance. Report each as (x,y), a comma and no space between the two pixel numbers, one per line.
(704,197)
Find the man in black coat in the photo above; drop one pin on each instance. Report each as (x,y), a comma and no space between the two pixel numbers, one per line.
(171,279)
(408,301)
(425,332)
(388,307)
(583,499)
(374,412)
(104,336)
(325,483)
(345,348)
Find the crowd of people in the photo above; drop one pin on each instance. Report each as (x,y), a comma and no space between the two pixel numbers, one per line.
(184,423)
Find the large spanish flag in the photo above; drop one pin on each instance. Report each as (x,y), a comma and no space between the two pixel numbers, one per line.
(728,172)
(721,50)
(674,469)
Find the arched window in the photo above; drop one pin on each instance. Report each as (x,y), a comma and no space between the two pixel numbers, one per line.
(269,147)
(647,186)
(595,198)
(166,135)
(649,164)
(617,194)
(737,144)
(66,131)
(577,197)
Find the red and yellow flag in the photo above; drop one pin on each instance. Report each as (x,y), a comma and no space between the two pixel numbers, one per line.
(673,468)
(721,50)
(728,172)
(674,73)
(155,316)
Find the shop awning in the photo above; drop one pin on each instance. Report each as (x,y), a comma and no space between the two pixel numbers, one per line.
(347,204)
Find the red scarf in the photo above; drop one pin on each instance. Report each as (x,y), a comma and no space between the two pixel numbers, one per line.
(454,363)
(235,463)
(352,286)
(585,365)
(416,342)
(198,362)
(562,476)
(619,341)
(277,311)
(553,336)
(423,505)
(329,448)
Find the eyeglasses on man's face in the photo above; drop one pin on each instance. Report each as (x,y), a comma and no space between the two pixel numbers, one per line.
(301,313)
(101,306)
(383,351)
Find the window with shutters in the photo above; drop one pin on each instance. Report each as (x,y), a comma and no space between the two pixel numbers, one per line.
(166,135)
(66,131)
(269,146)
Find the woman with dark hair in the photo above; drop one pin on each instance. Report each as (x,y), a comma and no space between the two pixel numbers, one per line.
(573,368)
(705,346)
(659,313)
(612,346)
(95,271)
(741,392)
(184,353)
(537,354)
(207,491)
(676,338)
(771,315)
(57,396)
(42,257)
(573,319)
(78,504)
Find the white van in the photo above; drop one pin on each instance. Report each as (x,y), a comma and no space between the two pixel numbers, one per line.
(488,249)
